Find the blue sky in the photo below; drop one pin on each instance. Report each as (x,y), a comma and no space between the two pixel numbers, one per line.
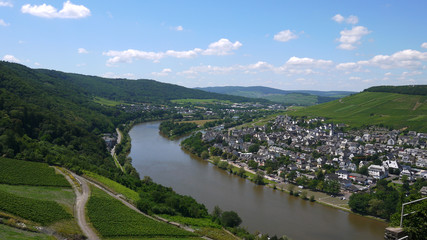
(291,45)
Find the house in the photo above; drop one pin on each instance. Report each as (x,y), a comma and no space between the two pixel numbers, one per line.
(377,171)
(342,174)
(407,173)
(423,190)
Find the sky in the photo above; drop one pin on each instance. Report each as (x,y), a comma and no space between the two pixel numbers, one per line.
(290,45)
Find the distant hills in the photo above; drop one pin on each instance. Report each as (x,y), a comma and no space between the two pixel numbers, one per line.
(383,105)
(287,97)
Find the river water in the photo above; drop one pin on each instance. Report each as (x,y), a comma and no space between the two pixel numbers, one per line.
(261,209)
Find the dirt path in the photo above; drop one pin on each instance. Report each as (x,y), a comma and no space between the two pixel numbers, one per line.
(82,195)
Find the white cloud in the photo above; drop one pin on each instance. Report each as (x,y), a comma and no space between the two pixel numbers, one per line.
(68,10)
(351,37)
(285,36)
(163,73)
(3,23)
(304,62)
(338,18)
(82,51)
(179,28)
(10,58)
(6,4)
(424,45)
(350,19)
(222,47)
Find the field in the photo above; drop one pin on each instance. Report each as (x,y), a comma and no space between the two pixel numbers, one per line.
(200,101)
(373,108)
(199,122)
(10,233)
(198,222)
(17,172)
(40,211)
(114,186)
(293,99)
(113,219)
(106,102)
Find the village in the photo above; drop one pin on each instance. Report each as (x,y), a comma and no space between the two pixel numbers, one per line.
(357,159)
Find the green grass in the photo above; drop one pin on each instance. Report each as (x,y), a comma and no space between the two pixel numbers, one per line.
(64,196)
(106,102)
(114,186)
(293,99)
(40,211)
(200,101)
(11,233)
(215,233)
(198,222)
(113,219)
(373,108)
(17,172)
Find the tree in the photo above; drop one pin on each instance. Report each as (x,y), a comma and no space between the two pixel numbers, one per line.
(205,155)
(253,148)
(230,219)
(259,178)
(216,212)
(241,172)
(252,164)
(359,202)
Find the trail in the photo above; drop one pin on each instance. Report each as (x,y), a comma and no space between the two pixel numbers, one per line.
(82,195)
(113,151)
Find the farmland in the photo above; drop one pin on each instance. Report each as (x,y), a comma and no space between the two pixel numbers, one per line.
(373,108)
(10,233)
(114,186)
(113,219)
(40,211)
(17,172)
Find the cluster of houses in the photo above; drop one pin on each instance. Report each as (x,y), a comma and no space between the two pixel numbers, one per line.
(313,145)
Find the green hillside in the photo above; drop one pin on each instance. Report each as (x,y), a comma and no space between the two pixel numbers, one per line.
(287,97)
(374,108)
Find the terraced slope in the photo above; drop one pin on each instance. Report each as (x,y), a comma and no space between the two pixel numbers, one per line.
(374,108)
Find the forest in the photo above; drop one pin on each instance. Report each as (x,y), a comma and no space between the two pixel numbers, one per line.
(410,89)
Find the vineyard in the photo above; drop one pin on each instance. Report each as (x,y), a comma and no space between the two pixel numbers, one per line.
(17,172)
(40,211)
(113,219)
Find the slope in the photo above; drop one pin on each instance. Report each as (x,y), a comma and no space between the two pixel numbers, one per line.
(373,108)
(289,97)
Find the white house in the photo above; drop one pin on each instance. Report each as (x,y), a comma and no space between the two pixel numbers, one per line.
(377,171)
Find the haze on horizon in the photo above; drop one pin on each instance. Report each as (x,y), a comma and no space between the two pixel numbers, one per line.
(289,45)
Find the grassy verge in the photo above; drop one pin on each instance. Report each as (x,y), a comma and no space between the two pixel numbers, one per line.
(11,233)
(113,219)
(114,186)
(106,102)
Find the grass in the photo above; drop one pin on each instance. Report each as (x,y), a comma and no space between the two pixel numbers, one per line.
(62,196)
(111,219)
(106,102)
(373,108)
(199,122)
(114,186)
(18,172)
(11,233)
(200,101)
(40,211)
(197,222)
(215,233)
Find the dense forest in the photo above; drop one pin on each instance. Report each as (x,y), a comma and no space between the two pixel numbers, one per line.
(410,89)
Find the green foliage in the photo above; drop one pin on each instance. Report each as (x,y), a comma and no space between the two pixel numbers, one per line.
(195,145)
(410,89)
(41,211)
(197,222)
(230,219)
(331,187)
(253,148)
(259,178)
(17,172)
(155,198)
(113,219)
(176,129)
(12,233)
(373,108)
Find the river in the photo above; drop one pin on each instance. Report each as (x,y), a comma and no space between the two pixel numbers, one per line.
(261,209)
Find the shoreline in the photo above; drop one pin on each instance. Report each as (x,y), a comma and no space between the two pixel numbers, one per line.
(324,203)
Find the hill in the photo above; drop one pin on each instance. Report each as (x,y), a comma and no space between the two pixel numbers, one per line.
(409,89)
(290,97)
(373,108)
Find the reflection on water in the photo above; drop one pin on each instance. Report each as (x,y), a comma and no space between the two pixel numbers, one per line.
(261,209)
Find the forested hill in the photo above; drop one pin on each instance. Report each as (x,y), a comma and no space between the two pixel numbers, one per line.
(142,90)
(409,89)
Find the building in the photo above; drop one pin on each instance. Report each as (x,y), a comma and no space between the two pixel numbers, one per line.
(377,172)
